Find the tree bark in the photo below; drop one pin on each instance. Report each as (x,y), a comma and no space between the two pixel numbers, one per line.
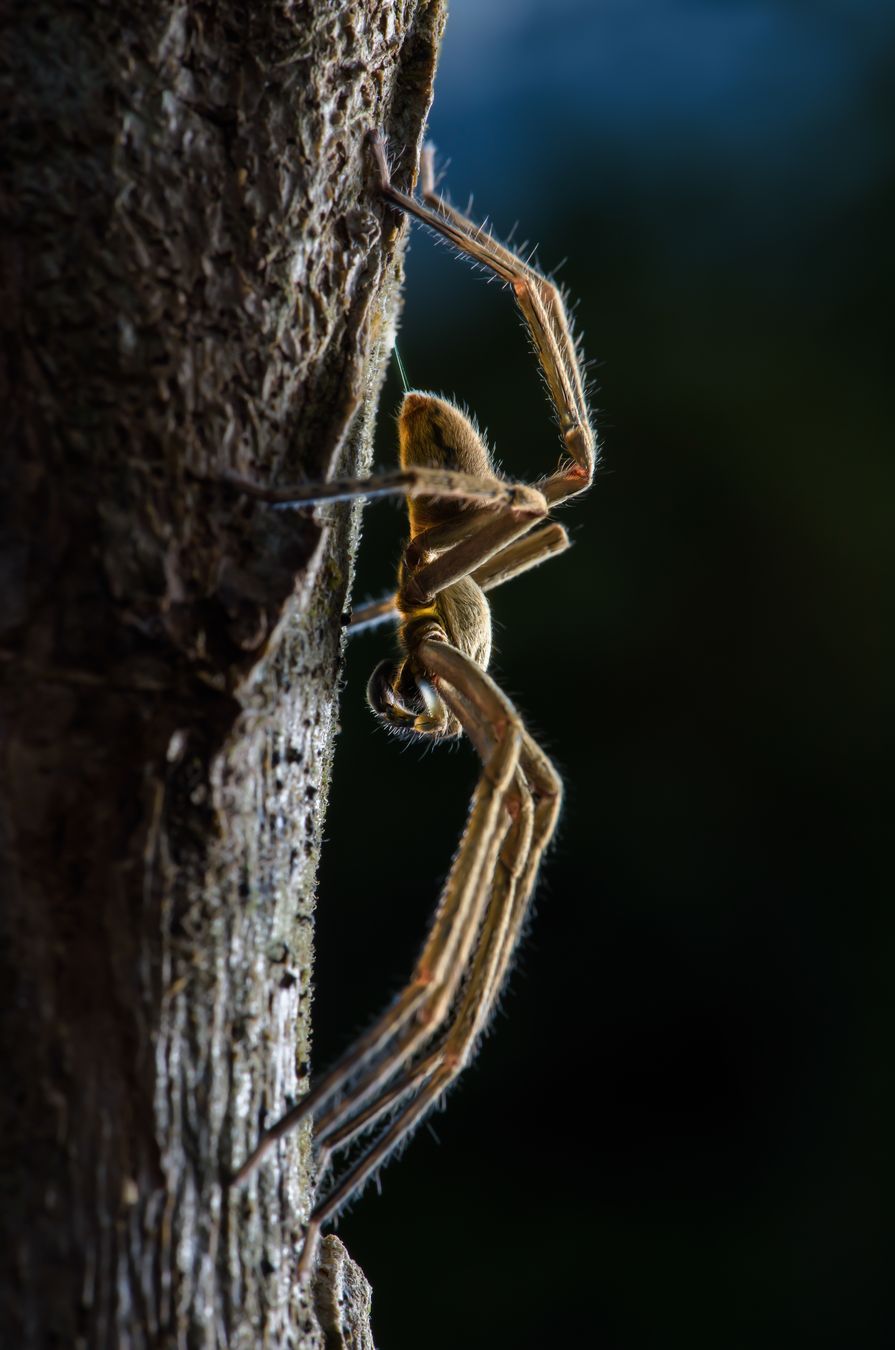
(198,277)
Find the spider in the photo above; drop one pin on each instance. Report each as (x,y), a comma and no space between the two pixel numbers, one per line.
(470,531)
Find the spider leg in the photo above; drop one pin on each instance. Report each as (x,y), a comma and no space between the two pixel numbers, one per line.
(408,1031)
(389,1042)
(434,1074)
(347,1117)
(485,538)
(416,481)
(359,1173)
(536,547)
(478,537)
(536,795)
(436,540)
(455,673)
(336,1128)
(330,1136)
(464,687)
(508,562)
(541,305)
(372,613)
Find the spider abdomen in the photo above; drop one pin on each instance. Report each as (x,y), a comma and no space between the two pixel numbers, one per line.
(466,619)
(434,434)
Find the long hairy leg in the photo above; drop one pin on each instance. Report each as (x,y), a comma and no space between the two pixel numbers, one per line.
(542,308)
(415,1015)
(424,1082)
(542,543)
(415,481)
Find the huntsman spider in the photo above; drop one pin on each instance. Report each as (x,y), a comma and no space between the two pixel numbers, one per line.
(470,531)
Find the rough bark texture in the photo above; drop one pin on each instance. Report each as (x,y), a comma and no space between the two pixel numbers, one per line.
(197,276)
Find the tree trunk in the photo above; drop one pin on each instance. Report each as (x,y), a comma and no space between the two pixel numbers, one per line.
(198,276)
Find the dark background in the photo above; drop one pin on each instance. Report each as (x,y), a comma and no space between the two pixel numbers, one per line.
(681,1132)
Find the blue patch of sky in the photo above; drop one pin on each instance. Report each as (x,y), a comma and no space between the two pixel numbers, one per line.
(782,86)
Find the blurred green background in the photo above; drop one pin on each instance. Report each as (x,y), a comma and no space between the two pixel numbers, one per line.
(681,1131)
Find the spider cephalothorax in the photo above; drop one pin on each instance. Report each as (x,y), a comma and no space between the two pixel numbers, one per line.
(470,531)
(432,433)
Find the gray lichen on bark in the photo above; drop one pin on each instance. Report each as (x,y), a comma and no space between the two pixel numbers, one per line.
(198,276)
